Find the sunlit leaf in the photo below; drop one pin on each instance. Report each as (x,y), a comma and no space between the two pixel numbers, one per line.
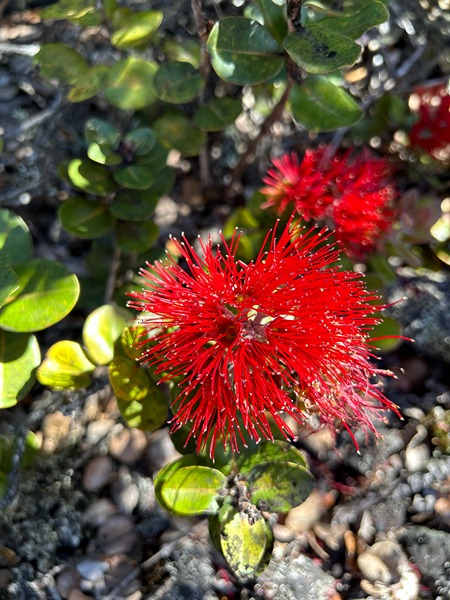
(131,84)
(89,84)
(101,330)
(19,358)
(90,177)
(15,239)
(137,29)
(9,282)
(65,366)
(61,62)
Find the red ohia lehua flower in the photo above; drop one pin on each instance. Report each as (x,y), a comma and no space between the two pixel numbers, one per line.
(354,196)
(431,132)
(286,334)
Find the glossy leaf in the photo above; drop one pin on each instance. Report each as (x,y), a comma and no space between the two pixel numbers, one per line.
(101,330)
(193,490)
(273,452)
(129,340)
(136,237)
(178,82)
(168,470)
(148,414)
(9,283)
(155,160)
(319,50)
(84,218)
(19,358)
(245,545)
(321,106)
(101,132)
(128,379)
(81,12)
(103,155)
(177,131)
(278,486)
(90,177)
(137,29)
(89,84)
(217,114)
(142,140)
(134,177)
(354,24)
(134,206)
(131,86)
(47,293)
(15,239)
(65,366)
(274,18)
(61,62)
(243,52)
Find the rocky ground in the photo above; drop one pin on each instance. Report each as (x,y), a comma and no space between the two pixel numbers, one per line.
(83,521)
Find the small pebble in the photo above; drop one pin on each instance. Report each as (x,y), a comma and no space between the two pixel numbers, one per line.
(78,595)
(417,458)
(442,506)
(92,569)
(98,512)
(66,581)
(117,535)
(125,492)
(127,445)
(98,473)
(97,430)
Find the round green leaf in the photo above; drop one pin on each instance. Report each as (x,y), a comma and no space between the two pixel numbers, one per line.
(169,469)
(245,545)
(89,84)
(321,106)
(134,177)
(354,24)
(193,490)
(103,155)
(19,358)
(386,335)
(86,219)
(65,366)
(47,293)
(320,50)
(278,486)
(217,114)
(243,52)
(101,132)
(134,206)
(131,84)
(178,132)
(9,283)
(142,140)
(136,237)
(138,29)
(15,239)
(155,160)
(148,414)
(128,379)
(101,330)
(274,452)
(178,82)
(90,177)
(81,12)
(61,62)
(162,182)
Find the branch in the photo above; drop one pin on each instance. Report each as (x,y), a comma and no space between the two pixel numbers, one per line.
(274,116)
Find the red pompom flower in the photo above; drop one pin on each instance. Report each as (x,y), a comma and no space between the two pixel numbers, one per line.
(352,195)
(431,132)
(286,334)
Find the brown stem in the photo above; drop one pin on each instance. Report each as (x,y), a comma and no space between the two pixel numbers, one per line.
(294,14)
(265,129)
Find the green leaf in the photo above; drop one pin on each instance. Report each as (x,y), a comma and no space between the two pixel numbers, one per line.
(134,206)
(19,358)
(103,155)
(101,132)
(61,62)
(131,84)
(274,18)
(134,177)
(272,452)
(90,177)
(138,29)
(386,335)
(168,470)
(9,283)
(217,114)
(278,486)
(128,379)
(193,490)
(89,84)
(130,339)
(354,24)
(177,132)
(136,237)
(243,52)
(81,12)
(321,106)
(86,219)
(178,82)
(65,366)
(101,330)
(15,239)
(155,160)
(142,140)
(187,51)
(245,545)
(47,293)
(319,50)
